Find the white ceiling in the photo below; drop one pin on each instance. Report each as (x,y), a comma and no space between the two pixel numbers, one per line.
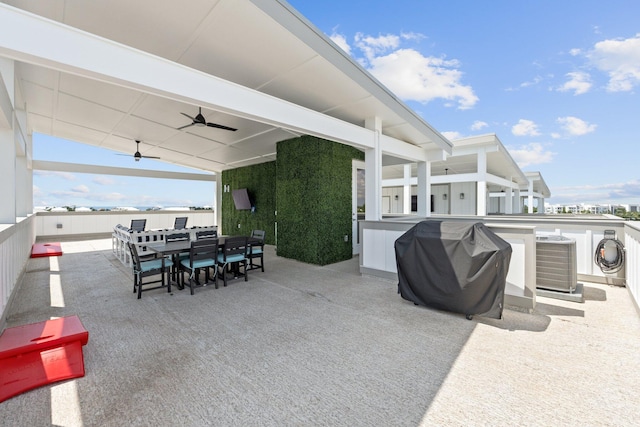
(261,44)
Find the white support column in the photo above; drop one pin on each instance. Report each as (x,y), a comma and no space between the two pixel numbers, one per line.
(518,199)
(530,197)
(406,190)
(424,189)
(481,209)
(7,144)
(373,174)
(7,177)
(541,208)
(24,166)
(218,205)
(508,207)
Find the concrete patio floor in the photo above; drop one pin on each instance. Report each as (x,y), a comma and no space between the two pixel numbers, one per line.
(302,345)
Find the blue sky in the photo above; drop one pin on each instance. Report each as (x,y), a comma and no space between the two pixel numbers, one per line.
(557,81)
(89,190)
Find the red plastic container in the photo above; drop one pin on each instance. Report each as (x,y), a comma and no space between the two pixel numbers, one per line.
(41,353)
(39,250)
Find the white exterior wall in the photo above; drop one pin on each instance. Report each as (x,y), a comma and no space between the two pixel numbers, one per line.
(466,205)
(393,199)
(49,224)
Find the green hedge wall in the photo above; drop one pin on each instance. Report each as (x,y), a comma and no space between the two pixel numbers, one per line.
(313,187)
(260,181)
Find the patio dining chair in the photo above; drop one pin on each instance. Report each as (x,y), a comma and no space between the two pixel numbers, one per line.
(180,223)
(148,268)
(207,234)
(202,256)
(178,237)
(256,250)
(234,254)
(138,224)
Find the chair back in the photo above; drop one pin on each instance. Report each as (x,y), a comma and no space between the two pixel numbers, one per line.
(207,234)
(258,234)
(176,237)
(180,223)
(135,258)
(138,224)
(256,248)
(203,249)
(236,245)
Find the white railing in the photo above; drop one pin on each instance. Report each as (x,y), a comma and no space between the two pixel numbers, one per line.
(632,264)
(50,225)
(15,249)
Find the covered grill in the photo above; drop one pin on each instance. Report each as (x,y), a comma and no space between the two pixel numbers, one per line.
(455,266)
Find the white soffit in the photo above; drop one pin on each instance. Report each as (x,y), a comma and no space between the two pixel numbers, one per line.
(264,45)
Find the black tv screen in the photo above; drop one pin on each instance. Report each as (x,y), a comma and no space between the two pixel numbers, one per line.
(241,199)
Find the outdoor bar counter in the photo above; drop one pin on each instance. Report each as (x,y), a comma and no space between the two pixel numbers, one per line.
(378,258)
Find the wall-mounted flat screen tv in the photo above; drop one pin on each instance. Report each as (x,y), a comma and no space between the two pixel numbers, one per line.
(241,199)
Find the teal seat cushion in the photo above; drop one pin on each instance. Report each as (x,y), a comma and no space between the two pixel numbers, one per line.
(154,264)
(231,258)
(256,250)
(201,263)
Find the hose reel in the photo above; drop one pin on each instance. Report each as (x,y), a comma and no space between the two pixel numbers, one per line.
(610,253)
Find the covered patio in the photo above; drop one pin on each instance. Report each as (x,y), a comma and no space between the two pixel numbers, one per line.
(309,345)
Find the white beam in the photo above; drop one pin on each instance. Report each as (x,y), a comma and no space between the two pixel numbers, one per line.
(110,170)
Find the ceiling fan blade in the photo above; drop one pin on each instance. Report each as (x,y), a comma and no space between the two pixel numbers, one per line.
(149,157)
(185,126)
(199,120)
(215,125)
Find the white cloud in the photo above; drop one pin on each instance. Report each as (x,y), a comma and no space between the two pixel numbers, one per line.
(579,82)
(575,52)
(452,135)
(415,77)
(535,81)
(103,180)
(531,154)
(525,128)
(374,46)
(64,175)
(341,41)
(620,59)
(478,124)
(411,75)
(80,189)
(574,126)
(608,192)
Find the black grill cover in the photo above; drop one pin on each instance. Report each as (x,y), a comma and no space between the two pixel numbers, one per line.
(455,266)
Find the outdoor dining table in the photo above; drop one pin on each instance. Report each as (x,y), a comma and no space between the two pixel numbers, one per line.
(181,246)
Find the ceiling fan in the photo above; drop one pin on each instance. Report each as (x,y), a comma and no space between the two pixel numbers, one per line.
(137,156)
(199,120)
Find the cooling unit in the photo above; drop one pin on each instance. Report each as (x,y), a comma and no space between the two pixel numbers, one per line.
(556,263)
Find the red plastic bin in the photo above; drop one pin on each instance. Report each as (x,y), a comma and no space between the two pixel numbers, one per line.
(41,353)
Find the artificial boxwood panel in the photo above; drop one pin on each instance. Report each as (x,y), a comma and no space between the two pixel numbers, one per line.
(313,193)
(260,181)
